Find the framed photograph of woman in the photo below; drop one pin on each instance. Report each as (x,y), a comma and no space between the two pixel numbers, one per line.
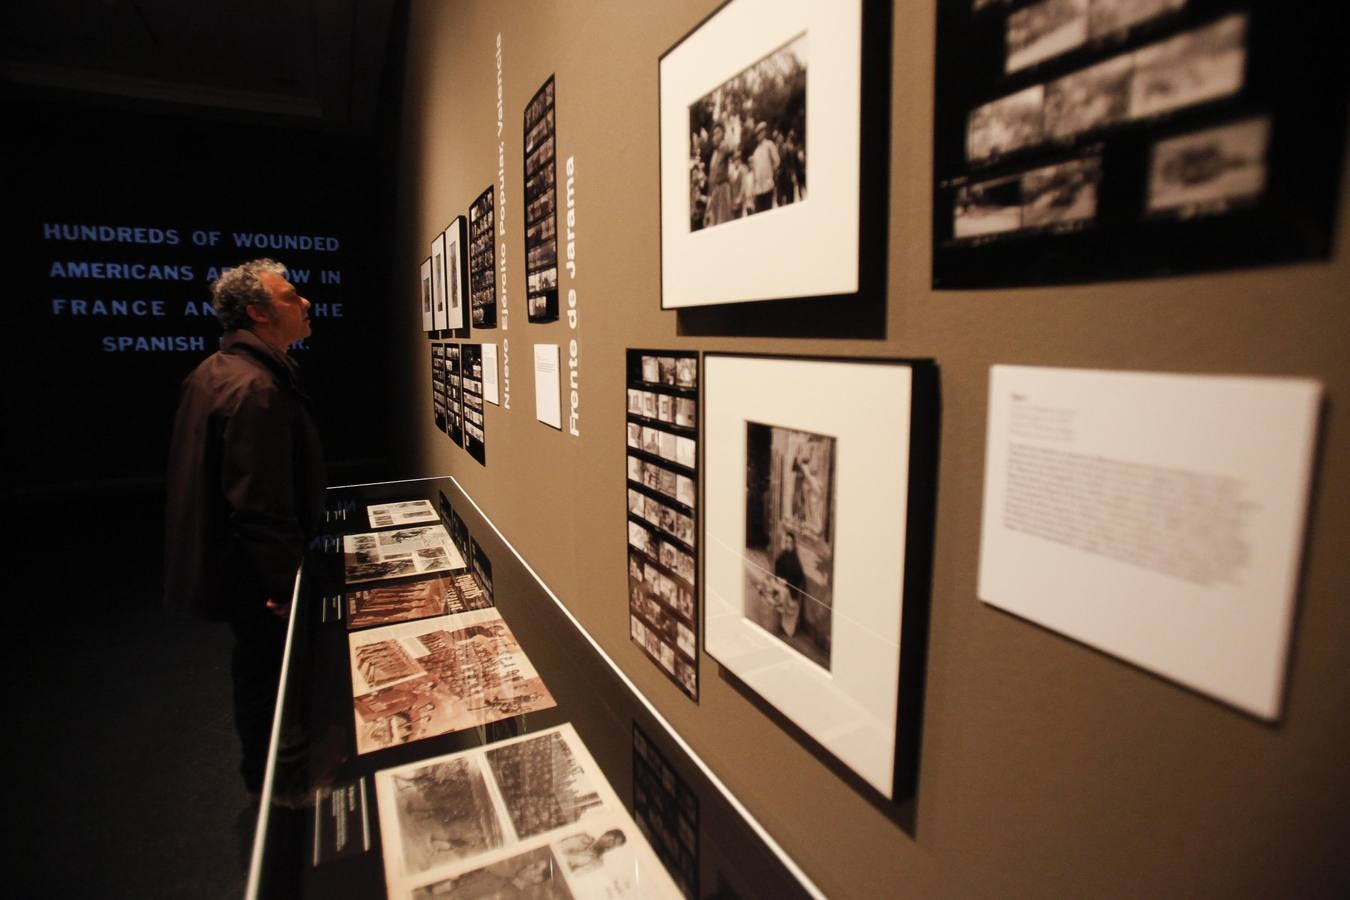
(439,313)
(425,295)
(818,521)
(762,151)
(456,272)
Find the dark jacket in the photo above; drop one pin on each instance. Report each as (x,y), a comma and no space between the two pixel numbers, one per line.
(245,483)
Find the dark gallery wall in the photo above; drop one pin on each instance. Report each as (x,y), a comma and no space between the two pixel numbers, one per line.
(121,219)
(1047,768)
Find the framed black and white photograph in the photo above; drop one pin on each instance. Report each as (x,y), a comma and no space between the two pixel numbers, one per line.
(456,272)
(1091,140)
(541,202)
(439,313)
(425,295)
(761,157)
(483,260)
(818,518)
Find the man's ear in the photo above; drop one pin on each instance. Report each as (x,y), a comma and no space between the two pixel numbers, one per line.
(259,314)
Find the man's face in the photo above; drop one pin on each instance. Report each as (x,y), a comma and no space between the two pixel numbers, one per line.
(290,311)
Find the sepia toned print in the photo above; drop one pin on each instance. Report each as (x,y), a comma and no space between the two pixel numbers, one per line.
(1095,97)
(1194,67)
(533,875)
(1111,16)
(407,512)
(1044,30)
(747,140)
(444,813)
(1210,171)
(397,603)
(1062,193)
(1007,124)
(789,539)
(988,207)
(542,784)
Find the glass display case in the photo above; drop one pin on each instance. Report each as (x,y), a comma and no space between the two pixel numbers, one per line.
(446,728)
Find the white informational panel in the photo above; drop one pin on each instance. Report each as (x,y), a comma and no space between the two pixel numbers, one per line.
(1155,517)
(490,374)
(547,385)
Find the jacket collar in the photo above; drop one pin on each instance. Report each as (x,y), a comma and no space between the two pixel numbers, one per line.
(241,341)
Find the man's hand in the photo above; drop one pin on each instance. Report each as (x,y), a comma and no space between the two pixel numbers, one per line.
(281,610)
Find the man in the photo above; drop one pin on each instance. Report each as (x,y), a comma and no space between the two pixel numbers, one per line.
(764,168)
(245,488)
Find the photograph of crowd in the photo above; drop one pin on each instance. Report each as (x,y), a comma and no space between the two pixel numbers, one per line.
(789,537)
(747,140)
(441,812)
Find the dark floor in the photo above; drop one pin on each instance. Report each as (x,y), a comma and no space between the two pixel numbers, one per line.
(122,750)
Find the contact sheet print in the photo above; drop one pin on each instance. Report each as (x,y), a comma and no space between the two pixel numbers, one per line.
(471,384)
(662,491)
(483,260)
(541,197)
(418,679)
(1081,140)
(438,409)
(454,399)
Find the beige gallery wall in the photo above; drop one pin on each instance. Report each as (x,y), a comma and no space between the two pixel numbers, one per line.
(1047,769)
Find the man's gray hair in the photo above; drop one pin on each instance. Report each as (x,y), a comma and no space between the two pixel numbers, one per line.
(241,287)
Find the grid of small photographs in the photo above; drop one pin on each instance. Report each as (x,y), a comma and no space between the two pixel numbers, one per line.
(541,198)
(531,816)
(417,550)
(438,385)
(403,512)
(419,679)
(405,601)
(666,809)
(483,261)
(454,423)
(1079,140)
(662,461)
(471,382)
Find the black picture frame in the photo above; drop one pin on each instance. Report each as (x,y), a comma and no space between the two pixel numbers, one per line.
(540,167)
(483,260)
(1091,140)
